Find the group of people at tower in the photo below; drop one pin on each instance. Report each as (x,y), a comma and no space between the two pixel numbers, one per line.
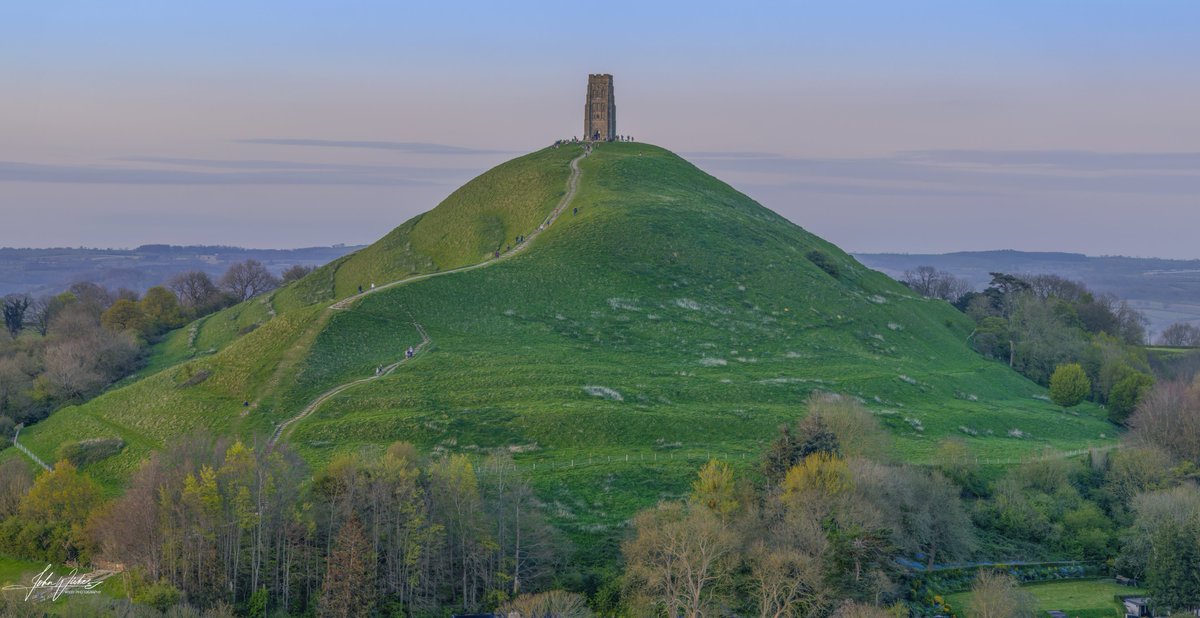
(594,138)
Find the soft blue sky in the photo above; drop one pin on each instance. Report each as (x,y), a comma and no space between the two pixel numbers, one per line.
(883,126)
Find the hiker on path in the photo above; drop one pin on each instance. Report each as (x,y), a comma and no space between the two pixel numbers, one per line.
(360,289)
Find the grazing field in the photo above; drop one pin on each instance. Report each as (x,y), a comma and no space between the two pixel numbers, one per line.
(1084,598)
(667,320)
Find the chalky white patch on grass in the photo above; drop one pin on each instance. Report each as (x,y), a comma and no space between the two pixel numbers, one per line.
(627,304)
(895,326)
(687,303)
(915,423)
(1017,433)
(783,381)
(510,312)
(877,299)
(710,361)
(907,380)
(603,392)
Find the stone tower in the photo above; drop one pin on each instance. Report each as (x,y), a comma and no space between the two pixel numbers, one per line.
(600,110)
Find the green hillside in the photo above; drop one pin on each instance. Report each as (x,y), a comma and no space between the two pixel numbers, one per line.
(671,318)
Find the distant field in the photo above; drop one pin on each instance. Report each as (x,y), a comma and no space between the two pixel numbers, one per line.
(1092,598)
(1165,291)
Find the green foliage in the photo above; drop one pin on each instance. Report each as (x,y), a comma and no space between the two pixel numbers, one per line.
(161,596)
(1069,385)
(1171,575)
(1126,393)
(87,452)
(51,520)
(256,607)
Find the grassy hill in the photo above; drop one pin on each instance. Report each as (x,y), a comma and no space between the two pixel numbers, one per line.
(669,320)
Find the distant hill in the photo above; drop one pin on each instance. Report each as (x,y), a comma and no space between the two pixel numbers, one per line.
(1166,291)
(49,271)
(662,319)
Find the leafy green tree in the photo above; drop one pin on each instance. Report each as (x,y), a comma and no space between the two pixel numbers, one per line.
(55,512)
(815,436)
(125,315)
(1173,572)
(15,307)
(162,310)
(783,453)
(1069,385)
(256,607)
(1126,393)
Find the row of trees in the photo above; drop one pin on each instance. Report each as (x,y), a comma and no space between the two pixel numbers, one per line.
(831,516)
(215,524)
(821,532)
(1181,334)
(192,294)
(65,348)
(1043,324)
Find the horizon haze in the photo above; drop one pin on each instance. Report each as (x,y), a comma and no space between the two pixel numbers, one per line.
(879,127)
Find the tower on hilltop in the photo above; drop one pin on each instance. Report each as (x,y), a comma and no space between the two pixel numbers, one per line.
(600,110)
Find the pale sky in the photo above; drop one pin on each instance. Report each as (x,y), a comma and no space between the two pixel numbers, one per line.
(915,126)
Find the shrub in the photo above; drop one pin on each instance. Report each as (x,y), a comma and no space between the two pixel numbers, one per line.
(824,262)
(161,596)
(1069,385)
(89,451)
(1126,394)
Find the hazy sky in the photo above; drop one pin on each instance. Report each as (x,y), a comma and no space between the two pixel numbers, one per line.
(910,126)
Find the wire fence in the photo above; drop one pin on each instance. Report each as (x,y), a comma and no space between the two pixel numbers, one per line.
(701,456)
(28,453)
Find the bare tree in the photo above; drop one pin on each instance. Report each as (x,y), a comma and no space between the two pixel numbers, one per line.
(296,273)
(1181,334)
(996,595)
(40,313)
(679,558)
(16,386)
(15,481)
(1053,286)
(93,296)
(933,283)
(1168,417)
(194,288)
(248,279)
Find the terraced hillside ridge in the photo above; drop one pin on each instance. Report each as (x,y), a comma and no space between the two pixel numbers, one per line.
(669,319)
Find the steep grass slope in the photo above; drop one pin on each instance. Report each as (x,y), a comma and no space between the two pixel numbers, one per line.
(669,320)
